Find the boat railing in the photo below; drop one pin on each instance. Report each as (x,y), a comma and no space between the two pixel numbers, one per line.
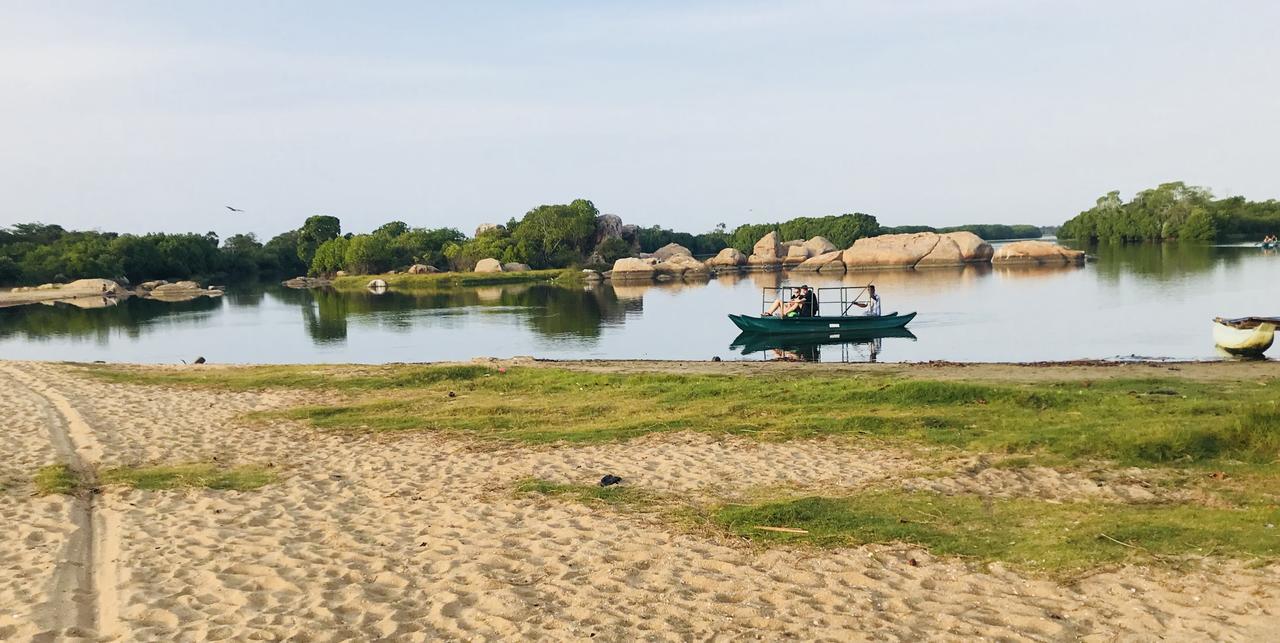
(845,297)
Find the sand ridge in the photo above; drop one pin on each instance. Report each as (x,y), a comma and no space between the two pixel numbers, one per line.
(417,537)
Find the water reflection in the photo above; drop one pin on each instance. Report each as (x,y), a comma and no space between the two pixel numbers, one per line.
(1143,300)
(98,319)
(847,346)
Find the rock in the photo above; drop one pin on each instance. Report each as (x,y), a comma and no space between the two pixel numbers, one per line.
(787,244)
(421,269)
(1036,252)
(187,285)
(340,273)
(176,289)
(972,247)
(486,227)
(376,284)
(608,226)
(728,258)
(306,282)
(670,250)
(515,267)
(818,246)
(150,285)
(488,265)
(93,286)
(890,250)
(825,262)
(630,268)
(609,480)
(681,266)
(796,255)
(767,253)
(591,275)
(48,286)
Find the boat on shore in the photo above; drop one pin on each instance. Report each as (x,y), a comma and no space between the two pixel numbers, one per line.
(1245,336)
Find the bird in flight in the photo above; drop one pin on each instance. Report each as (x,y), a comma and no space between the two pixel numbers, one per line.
(234,209)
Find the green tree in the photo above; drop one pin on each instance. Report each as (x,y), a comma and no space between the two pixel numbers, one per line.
(330,257)
(556,235)
(315,231)
(367,254)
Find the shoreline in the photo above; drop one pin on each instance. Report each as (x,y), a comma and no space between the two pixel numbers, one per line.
(419,501)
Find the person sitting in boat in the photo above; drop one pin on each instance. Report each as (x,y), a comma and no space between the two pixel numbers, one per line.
(791,308)
(872,304)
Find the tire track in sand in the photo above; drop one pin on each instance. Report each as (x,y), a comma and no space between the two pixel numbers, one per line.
(86,572)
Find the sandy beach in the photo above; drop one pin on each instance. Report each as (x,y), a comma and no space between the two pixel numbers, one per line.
(417,536)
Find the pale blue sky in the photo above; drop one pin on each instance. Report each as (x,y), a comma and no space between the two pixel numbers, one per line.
(141,116)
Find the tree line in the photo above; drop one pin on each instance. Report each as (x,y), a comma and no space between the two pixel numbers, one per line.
(1173,211)
(548,236)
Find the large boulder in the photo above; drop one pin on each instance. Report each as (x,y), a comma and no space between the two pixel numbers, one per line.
(515,267)
(608,226)
(890,251)
(680,266)
(945,253)
(796,255)
(767,252)
(94,287)
(819,245)
(728,258)
(632,269)
(486,227)
(825,262)
(1036,253)
(972,248)
(488,265)
(421,269)
(671,250)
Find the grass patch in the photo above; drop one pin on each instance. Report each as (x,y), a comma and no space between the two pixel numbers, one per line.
(616,495)
(187,476)
(56,479)
(1054,538)
(442,280)
(1141,422)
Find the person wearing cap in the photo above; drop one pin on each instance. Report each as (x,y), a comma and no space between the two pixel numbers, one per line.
(791,308)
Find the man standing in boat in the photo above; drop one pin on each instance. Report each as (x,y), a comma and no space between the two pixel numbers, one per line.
(872,304)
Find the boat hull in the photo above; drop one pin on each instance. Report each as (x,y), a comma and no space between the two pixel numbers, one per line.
(1244,341)
(811,325)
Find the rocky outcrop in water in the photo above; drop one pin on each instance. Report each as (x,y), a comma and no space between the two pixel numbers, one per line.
(728,258)
(920,249)
(1036,253)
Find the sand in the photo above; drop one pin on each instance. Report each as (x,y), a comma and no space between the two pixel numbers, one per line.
(418,537)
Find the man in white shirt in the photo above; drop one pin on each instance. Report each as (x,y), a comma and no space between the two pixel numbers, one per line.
(872,304)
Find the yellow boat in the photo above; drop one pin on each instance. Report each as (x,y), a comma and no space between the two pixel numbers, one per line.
(1248,336)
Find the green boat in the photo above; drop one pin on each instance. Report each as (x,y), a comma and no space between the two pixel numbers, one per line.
(843,297)
(820,324)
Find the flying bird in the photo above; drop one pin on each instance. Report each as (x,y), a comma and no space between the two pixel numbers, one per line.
(234,209)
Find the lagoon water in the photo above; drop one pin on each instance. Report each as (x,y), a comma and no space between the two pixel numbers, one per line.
(1150,301)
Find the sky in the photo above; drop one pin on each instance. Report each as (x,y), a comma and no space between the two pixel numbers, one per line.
(154,116)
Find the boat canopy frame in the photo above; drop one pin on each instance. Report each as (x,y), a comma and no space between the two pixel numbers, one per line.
(845,302)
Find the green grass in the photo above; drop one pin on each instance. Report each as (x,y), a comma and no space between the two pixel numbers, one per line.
(56,479)
(1037,535)
(1054,538)
(616,495)
(60,479)
(1138,422)
(186,476)
(443,280)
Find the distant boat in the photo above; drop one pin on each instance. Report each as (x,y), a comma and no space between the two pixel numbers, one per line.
(1245,336)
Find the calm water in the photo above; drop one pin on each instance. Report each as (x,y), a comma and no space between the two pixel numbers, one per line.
(1146,301)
